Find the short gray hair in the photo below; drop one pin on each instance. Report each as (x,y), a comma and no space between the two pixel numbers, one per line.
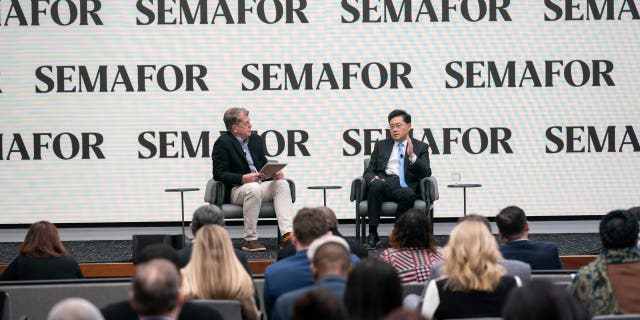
(232,116)
(74,309)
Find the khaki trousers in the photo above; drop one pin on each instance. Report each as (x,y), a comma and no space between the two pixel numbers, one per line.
(251,195)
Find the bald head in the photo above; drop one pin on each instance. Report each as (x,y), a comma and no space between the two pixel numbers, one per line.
(155,288)
(74,309)
(332,258)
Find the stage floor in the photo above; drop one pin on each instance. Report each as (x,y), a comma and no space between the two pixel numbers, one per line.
(269,231)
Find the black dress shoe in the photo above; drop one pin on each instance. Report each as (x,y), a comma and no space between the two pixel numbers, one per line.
(373,241)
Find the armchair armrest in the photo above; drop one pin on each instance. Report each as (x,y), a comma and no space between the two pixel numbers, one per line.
(429,189)
(292,188)
(358,186)
(214,192)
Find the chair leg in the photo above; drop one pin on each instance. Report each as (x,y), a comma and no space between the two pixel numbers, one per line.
(363,229)
(277,236)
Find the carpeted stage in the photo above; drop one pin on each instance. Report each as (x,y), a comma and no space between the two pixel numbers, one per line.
(100,245)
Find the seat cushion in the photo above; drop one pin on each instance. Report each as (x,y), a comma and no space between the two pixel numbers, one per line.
(234,211)
(389,208)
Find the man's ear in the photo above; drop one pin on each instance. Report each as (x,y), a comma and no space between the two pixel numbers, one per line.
(294,240)
(526,226)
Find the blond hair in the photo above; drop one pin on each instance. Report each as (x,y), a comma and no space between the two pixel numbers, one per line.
(472,258)
(214,272)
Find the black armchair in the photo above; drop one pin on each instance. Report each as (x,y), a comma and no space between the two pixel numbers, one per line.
(427,196)
(214,194)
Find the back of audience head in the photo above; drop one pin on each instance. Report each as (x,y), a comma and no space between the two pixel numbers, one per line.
(618,230)
(156,288)
(471,258)
(214,271)
(478,218)
(330,216)
(405,314)
(542,300)
(308,225)
(205,215)
(329,254)
(158,251)
(512,223)
(373,290)
(74,309)
(42,240)
(318,304)
(413,230)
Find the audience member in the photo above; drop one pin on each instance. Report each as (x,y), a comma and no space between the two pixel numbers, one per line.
(319,304)
(123,311)
(330,266)
(413,250)
(475,284)
(542,300)
(356,247)
(610,284)
(207,215)
(512,267)
(155,290)
(373,290)
(294,272)
(405,314)
(514,230)
(214,272)
(42,257)
(74,309)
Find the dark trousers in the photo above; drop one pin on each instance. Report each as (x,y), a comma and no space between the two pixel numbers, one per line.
(389,189)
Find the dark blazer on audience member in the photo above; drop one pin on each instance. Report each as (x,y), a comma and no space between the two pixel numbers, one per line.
(283,308)
(539,255)
(190,311)
(230,162)
(28,268)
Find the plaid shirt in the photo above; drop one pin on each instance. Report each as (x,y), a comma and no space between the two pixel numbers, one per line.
(412,264)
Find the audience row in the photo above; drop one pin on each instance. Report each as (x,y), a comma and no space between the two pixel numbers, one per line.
(321,274)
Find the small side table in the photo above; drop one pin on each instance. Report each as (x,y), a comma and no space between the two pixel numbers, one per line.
(464,187)
(324,190)
(182,191)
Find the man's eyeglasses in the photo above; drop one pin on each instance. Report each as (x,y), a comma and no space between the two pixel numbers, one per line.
(397,125)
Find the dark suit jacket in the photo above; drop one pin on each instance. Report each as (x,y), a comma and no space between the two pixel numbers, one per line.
(412,172)
(539,255)
(28,268)
(230,163)
(190,311)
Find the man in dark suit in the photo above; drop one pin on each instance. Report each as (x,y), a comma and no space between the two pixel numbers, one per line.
(238,155)
(394,171)
(514,230)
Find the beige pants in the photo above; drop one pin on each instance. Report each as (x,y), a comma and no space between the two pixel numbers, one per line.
(251,195)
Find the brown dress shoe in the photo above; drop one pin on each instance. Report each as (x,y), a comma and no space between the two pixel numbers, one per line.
(253,245)
(285,240)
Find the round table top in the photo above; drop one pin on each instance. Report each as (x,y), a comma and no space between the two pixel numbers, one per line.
(465,185)
(181,189)
(324,187)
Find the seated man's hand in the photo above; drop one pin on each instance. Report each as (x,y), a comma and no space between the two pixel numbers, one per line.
(251,177)
(278,175)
